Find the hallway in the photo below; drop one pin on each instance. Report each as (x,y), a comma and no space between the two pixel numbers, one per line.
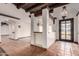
(23,48)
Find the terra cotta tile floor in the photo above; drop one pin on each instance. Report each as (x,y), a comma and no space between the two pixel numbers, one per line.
(23,48)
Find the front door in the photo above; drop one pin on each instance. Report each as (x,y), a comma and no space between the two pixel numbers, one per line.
(66,30)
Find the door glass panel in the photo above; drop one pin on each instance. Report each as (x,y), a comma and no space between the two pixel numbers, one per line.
(62,33)
(63,37)
(68,33)
(68,37)
(65,30)
(68,30)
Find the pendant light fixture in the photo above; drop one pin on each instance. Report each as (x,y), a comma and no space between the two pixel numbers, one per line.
(64,12)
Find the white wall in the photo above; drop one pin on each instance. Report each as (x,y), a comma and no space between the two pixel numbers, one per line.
(78,28)
(13,30)
(35,31)
(36,28)
(24,21)
(4,30)
(0,31)
(48,34)
(7,30)
(32,29)
(72,11)
(36,21)
(25,29)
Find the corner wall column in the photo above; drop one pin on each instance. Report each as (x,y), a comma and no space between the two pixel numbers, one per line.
(45,17)
(0,32)
(78,29)
(32,29)
(48,34)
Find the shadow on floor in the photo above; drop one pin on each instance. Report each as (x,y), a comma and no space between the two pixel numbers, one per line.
(2,52)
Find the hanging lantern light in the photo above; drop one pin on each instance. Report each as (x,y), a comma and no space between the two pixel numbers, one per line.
(64,12)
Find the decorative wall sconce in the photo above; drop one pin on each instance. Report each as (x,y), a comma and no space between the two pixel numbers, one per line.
(38,23)
(54,18)
(19,26)
(64,12)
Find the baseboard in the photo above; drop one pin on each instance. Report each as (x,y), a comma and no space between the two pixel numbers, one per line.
(13,39)
(61,40)
(38,47)
(57,40)
(19,38)
(24,37)
(4,35)
(76,42)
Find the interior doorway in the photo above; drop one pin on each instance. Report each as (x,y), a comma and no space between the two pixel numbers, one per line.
(66,30)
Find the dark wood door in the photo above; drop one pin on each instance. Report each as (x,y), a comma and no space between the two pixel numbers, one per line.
(66,29)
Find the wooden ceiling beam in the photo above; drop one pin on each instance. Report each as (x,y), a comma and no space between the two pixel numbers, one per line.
(34,6)
(50,8)
(40,10)
(18,5)
(58,5)
(24,5)
(28,6)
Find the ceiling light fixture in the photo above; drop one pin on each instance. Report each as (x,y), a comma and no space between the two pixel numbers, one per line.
(64,12)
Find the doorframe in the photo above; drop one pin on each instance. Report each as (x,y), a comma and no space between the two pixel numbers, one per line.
(72,29)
